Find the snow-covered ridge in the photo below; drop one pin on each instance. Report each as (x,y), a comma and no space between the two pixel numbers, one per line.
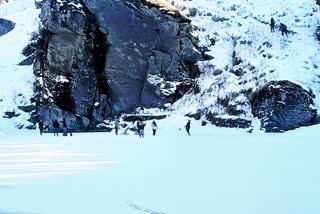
(237,34)
(163,4)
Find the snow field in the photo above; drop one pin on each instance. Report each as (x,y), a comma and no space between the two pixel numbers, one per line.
(212,171)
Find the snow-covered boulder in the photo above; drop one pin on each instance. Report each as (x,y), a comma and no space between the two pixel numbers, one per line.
(282,106)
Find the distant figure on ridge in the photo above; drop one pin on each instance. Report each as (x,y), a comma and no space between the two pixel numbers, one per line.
(154,127)
(272,25)
(187,126)
(284,30)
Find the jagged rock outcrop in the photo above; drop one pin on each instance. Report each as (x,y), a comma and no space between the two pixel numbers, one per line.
(5,26)
(98,58)
(229,122)
(282,106)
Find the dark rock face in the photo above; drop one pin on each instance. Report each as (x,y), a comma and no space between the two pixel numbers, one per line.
(136,117)
(10,114)
(98,58)
(5,26)
(143,44)
(38,3)
(282,106)
(230,122)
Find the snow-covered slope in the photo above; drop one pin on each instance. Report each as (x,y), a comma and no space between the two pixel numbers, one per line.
(240,30)
(16,82)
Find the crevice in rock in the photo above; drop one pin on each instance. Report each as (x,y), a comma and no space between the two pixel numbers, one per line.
(193,69)
(99,50)
(63,99)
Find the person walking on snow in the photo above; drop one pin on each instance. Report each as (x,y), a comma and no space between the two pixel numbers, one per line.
(187,126)
(284,30)
(272,25)
(154,127)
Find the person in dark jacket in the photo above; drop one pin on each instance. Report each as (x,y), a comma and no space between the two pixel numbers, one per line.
(154,127)
(65,129)
(116,125)
(272,24)
(56,127)
(140,127)
(187,126)
(284,30)
(41,127)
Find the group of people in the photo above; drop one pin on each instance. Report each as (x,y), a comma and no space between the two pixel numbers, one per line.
(283,28)
(139,127)
(56,128)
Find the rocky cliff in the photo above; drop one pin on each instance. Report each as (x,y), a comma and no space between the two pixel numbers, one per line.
(98,58)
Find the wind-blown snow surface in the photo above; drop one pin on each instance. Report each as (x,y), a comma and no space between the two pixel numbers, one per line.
(215,170)
(16,82)
(242,27)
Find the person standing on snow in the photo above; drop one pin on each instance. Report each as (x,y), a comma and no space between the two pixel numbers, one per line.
(41,127)
(65,128)
(56,127)
(272,25)
(116,125)
(140,127)
(154,127)
(187,126)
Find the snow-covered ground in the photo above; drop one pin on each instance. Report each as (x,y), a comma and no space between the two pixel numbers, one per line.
(9,7)
(212,171)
